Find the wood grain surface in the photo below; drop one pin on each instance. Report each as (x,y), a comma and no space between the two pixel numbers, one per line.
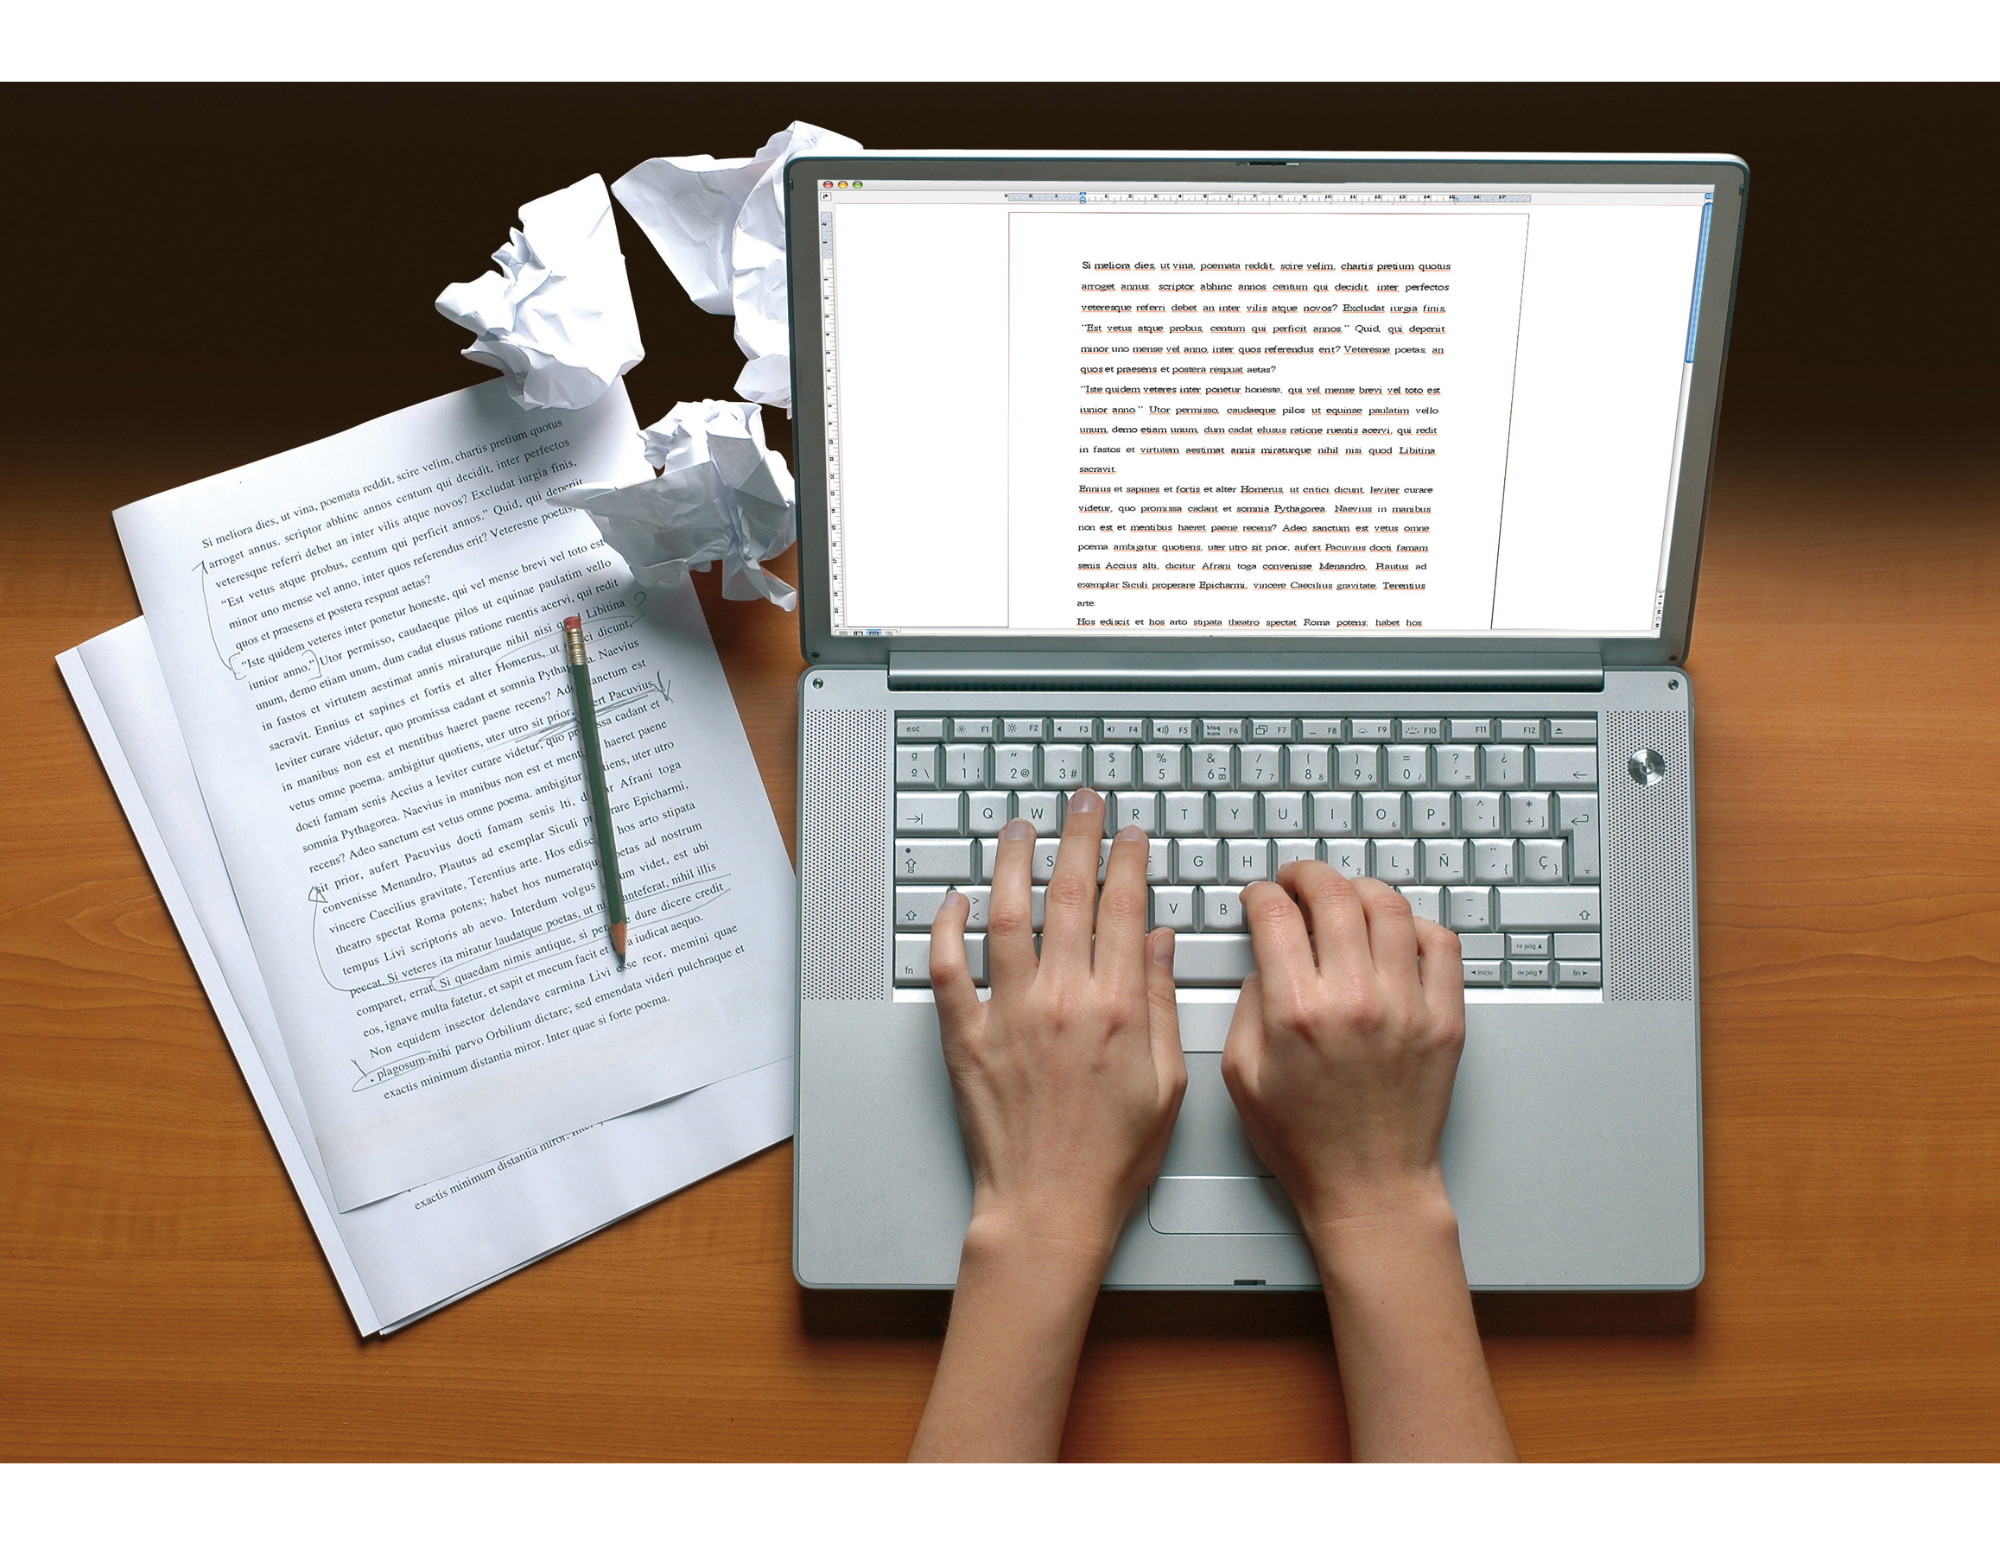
(165,1299)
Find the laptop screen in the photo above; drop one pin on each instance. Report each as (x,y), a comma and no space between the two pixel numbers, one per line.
(1293,410)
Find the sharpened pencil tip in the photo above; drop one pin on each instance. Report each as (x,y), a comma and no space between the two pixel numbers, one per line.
(618,941)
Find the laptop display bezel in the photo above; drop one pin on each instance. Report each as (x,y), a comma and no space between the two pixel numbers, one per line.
(1729,176)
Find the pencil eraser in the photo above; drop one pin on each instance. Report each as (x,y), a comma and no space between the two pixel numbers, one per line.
(572,622)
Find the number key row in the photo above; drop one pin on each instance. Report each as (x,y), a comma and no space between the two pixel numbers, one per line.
(1171,766)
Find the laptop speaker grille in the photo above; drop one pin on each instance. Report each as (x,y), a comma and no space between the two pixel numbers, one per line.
(1649,929)
(844,853)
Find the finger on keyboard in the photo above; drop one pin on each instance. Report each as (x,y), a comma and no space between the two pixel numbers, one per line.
(1072,883)
(1490,825)
(1012,941)
(1119,955)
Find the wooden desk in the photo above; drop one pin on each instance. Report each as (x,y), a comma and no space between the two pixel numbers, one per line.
(164,1298)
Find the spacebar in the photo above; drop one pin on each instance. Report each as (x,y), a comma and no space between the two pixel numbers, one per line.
(1212,959)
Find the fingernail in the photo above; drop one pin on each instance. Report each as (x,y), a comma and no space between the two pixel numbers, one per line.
(1085,802)
(1163,949)
(1130,834)
(1017,831)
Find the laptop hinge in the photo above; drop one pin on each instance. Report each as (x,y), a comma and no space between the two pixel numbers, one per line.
(1077,671)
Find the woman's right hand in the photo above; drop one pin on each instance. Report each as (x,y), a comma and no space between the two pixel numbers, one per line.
(1341,1059)
(1345,1043)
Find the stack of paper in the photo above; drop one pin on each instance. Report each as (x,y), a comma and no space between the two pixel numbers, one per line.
(343,734)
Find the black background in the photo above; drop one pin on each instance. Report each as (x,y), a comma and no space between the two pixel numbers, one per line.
(269,255)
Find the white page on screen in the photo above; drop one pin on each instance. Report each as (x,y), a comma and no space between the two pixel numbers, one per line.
(1293,413)
(361,640)
(407,1255)
(1257,407)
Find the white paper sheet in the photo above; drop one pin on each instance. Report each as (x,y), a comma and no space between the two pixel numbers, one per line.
(720,225)
(557,320)
(361,640)
(409,1255)
(721,495)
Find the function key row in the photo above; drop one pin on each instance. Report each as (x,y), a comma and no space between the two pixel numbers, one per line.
(1001,727)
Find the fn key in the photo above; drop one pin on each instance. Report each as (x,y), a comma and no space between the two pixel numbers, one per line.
(913,959)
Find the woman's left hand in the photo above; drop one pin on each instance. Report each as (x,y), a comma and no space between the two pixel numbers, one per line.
(1069,1079)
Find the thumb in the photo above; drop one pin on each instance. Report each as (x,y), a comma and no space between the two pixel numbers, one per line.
(1163,1017)
(1243,1051)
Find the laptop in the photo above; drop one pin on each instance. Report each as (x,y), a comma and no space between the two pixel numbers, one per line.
(1342,507)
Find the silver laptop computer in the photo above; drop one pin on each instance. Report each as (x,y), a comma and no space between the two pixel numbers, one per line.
(1344,507)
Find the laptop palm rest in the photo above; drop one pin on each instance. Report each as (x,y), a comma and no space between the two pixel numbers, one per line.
(1213,1182)
(1572,1157)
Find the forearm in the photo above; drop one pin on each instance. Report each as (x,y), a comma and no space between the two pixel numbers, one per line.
(1017,1325)
(1411,1363)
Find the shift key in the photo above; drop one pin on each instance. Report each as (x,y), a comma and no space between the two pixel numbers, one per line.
(1545,908)
(931,860)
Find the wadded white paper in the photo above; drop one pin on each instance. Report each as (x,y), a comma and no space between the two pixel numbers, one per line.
(720,225)
(557,319)
(721,495)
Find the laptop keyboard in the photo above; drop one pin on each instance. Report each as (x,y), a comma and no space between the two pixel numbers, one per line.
(1488,825)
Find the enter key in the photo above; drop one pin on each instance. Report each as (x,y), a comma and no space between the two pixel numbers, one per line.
(1577,819)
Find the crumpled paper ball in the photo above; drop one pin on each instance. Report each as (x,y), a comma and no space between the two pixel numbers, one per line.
(557,319)
(720,495)
(720,225)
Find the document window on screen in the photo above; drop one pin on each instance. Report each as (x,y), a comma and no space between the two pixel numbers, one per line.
(1185,408)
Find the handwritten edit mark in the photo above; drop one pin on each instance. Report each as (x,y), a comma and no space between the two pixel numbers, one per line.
(231,661)
(372,1076)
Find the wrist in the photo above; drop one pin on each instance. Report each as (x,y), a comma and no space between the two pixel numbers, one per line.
(1018,1319)
(1053,1247)
(1381,1223)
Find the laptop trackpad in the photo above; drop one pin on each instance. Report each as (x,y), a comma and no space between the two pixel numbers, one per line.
(1220,1204)
(1213,1182)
